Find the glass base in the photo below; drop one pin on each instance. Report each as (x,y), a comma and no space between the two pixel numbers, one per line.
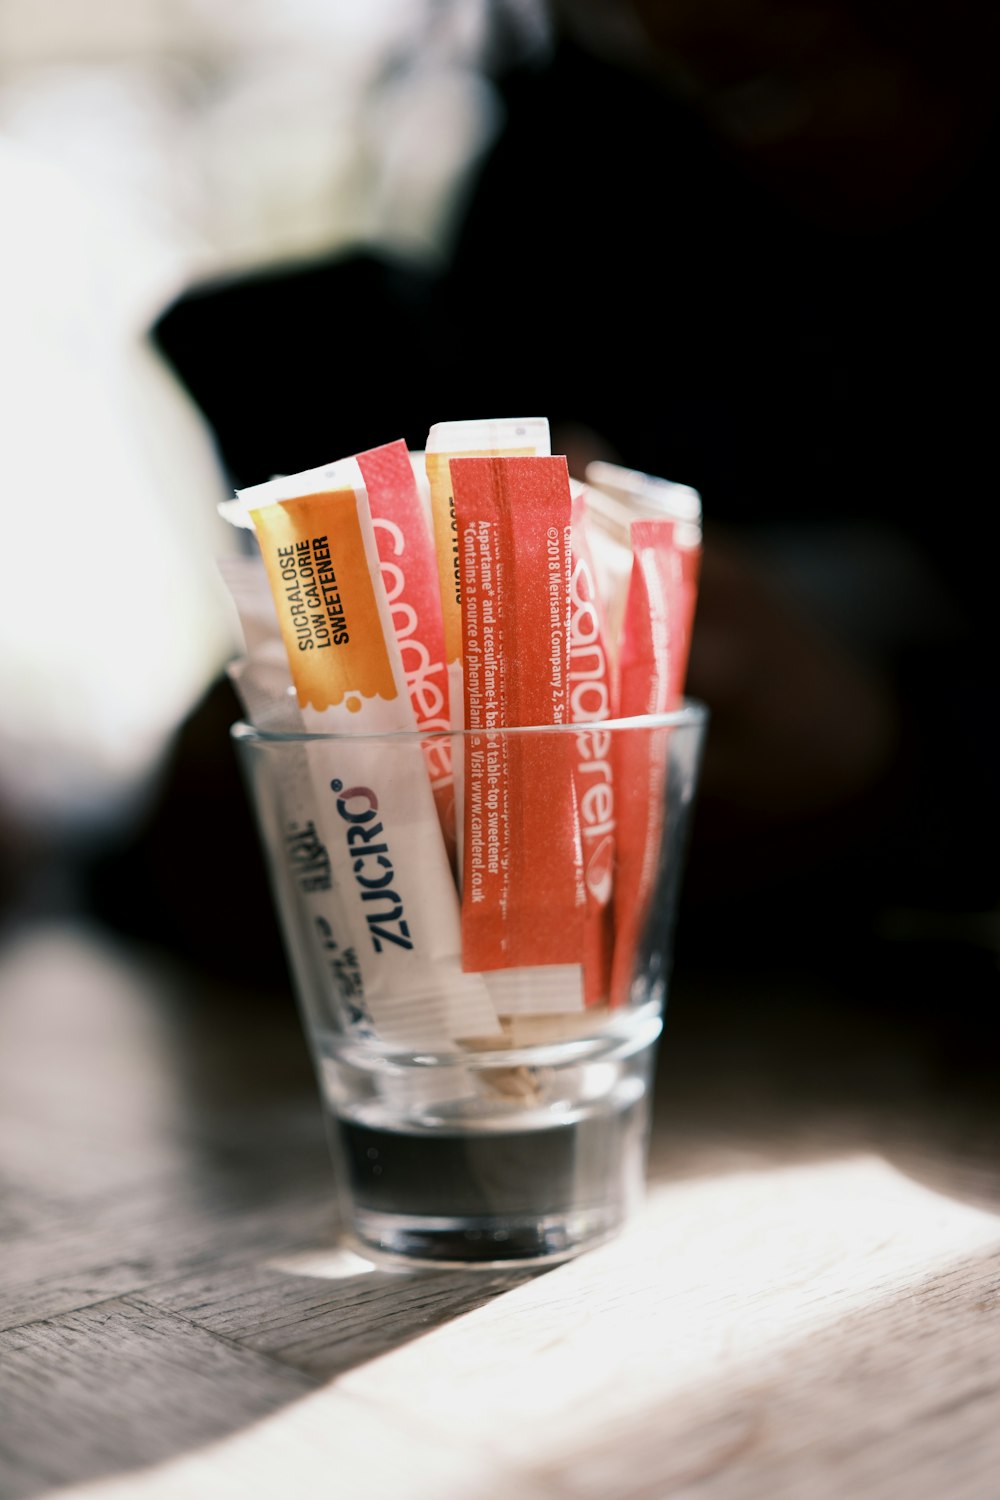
(524,1164)
(489,1244)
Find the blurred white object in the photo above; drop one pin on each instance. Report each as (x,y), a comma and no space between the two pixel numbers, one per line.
(144,145)
(112,617)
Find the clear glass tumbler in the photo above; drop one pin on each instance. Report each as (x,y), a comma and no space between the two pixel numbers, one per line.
(523,1136)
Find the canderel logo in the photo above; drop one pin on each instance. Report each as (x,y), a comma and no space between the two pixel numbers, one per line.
(599,874)
(426,694)
(590,701)
(426,679)
(589,697)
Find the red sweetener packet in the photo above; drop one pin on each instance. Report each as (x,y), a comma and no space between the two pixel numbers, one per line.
(522,897)
(409,572)
(591,692)
(656,638)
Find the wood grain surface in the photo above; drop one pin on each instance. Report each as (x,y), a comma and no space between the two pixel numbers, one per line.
(807,1304)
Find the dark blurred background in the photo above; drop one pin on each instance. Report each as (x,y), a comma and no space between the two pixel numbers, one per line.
(743,244)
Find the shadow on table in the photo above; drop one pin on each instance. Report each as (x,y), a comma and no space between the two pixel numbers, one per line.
(895,1050)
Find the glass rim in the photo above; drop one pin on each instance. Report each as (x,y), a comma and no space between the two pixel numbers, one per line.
(692,714)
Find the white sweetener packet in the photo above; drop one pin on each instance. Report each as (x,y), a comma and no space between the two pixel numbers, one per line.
(327,973)
(374,808)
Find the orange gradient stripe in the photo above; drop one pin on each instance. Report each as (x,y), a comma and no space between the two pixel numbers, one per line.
(314,553)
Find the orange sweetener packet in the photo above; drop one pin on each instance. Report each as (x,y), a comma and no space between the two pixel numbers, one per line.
(402,536)
(374,809)
(522,891)
(659,612)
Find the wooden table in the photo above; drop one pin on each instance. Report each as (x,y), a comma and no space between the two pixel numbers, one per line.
(807,1304)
